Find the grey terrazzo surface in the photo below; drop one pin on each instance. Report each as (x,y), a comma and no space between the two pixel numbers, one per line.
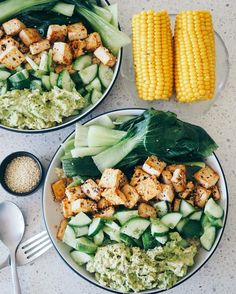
(48,274)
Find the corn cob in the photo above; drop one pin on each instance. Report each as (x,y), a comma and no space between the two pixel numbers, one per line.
(153,54)
(194,48)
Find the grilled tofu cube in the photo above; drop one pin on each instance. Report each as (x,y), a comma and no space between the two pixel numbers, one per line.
(215,193)
(166,176)
(105,56)
(154,166)
(77,47)
(131,195)
(201,196)
(8,42)
(188,191)
(206,177)
(61,53)
(106,213)
(67,208)
(114,196)
(167,193)
(110,178)
(58,189)
(13,27)
(176,204)
(83,205)
(91,189)
(73,193)
(123,180)
(146,210)
(179,180)
(61,229)
(138,176)
(62,67)
(56,33)
(1,33)
(40,46)
(191,200)
(11,58)
(77,31)
(103,203)
(23,48)
(93,42)
(149,188)
(29,36)
(173,167)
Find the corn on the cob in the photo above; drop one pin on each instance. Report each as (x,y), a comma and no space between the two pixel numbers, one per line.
(153,54)
(194,48)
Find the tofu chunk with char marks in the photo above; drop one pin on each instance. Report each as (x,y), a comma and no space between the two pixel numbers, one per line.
(166,176)
(62,53)
(13,27)
(167,193)
(154,166)
(206,177)
(176,204)
(93,42)
(114,196)
(11,58)
(105,56)
(179,180)
(29,36)
(138,176)
(131,195)
(146,210)
(104,203)
(215,193)
(77,47)
(91,189)
(106,213)
(201,196)
(61,229)
(67,208)
(73,193)
(58,189)
(77,31)
(110,178)
(188,191)
(149,188)
(83,205)
(57,33)
(40,46)
(8,42)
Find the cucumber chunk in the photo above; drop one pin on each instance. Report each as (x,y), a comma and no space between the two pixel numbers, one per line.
(205,221)
(218,223)
(98,238)
(127,240)
(95,84)
(191,228)
(105,74)
(213,209)
(181,224)
(64,81)
(135,227)
(162,239)
(171,219)
(31,63)
(158,228)
(149,242)
(4,88)
(196,215)
(96,225)
(79,232)
(124,216)
(186,208)
(69,237)
(114,235)
(46,82)
(4,74)
(43,65)
(80,220)
(96,96)
(80,257)
(162,208)
(82,62)
(36,85)
(86,245)
(19,76)
(208,238)
(111,224)
(53,79)
(88,74)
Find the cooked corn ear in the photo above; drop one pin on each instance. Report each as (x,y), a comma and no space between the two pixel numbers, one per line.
(194,48)
(153,54)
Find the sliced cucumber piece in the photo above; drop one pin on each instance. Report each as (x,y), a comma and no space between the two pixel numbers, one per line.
(19,76)
(86,151)
(43,65)
(208,238)
(125,215)
(53,79)
(87,99)
(80,220)
(162,208)
(69,237)
(80,257)
(82,62)
(196,215)
(98,238)
(86,245)
(64,81)
(205,221)
(77,80)
(36,85)
(105,74)
(96,225)
(96,96)
(95,84)
(149,242)
(218,223)
(82,91)
(19,68)
(79,232)
(24,84)
(4,88)
(37,74)
(4,74)
(127,240)
(158,228)
(46,82)
(88,74)
(213,209)
(192,228)
(171,219)
(31,63)
(135,227)
(186,208)
(181,224)
(162,239)
(114,235)
(113,225)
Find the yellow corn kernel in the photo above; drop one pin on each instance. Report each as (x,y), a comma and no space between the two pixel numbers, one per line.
(194,47)
(153,55)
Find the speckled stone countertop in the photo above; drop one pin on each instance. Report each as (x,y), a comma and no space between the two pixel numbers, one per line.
(49,274)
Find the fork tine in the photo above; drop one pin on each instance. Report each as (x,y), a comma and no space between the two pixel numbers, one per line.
(37,248)
(39,253)
(27,242)
(27,248)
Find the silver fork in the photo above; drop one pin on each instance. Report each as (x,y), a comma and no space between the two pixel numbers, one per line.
(30,249)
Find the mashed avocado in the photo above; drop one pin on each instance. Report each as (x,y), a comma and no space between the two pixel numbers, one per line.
(32,109)
(131,269)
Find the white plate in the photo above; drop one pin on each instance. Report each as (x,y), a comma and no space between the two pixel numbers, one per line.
(52,212)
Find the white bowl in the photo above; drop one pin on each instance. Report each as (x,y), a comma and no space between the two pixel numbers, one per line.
(52,212)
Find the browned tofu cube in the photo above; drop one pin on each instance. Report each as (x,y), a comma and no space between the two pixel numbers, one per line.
(149,188)
(7,42)
(146,210)
(131,195)
(67,208)
(167,193)
(201,196)
(61,229)
(176,204)
(173,167)
(83,205)
(191,200)
(1,33)
(77,47)
(13,27)
(138,176)
(91,189)
(215,193)
(93,42)
(40,46)
(110,178)
(189,189)
(179,180)
(23,48)
(114,196)
(206,177)
(73,193)
(103,203)
(106,213)
(58,189)
(11,58)
(77,31)
(57,33)
(62,67)
(29,36)
(62,53)
(123,180)
(154,166)
(105,56)
(166,177)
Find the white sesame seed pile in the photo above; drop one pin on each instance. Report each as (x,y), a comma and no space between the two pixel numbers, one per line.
(22,174)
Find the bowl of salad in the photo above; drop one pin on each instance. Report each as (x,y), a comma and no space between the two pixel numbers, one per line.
(58,61)
(136,200)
